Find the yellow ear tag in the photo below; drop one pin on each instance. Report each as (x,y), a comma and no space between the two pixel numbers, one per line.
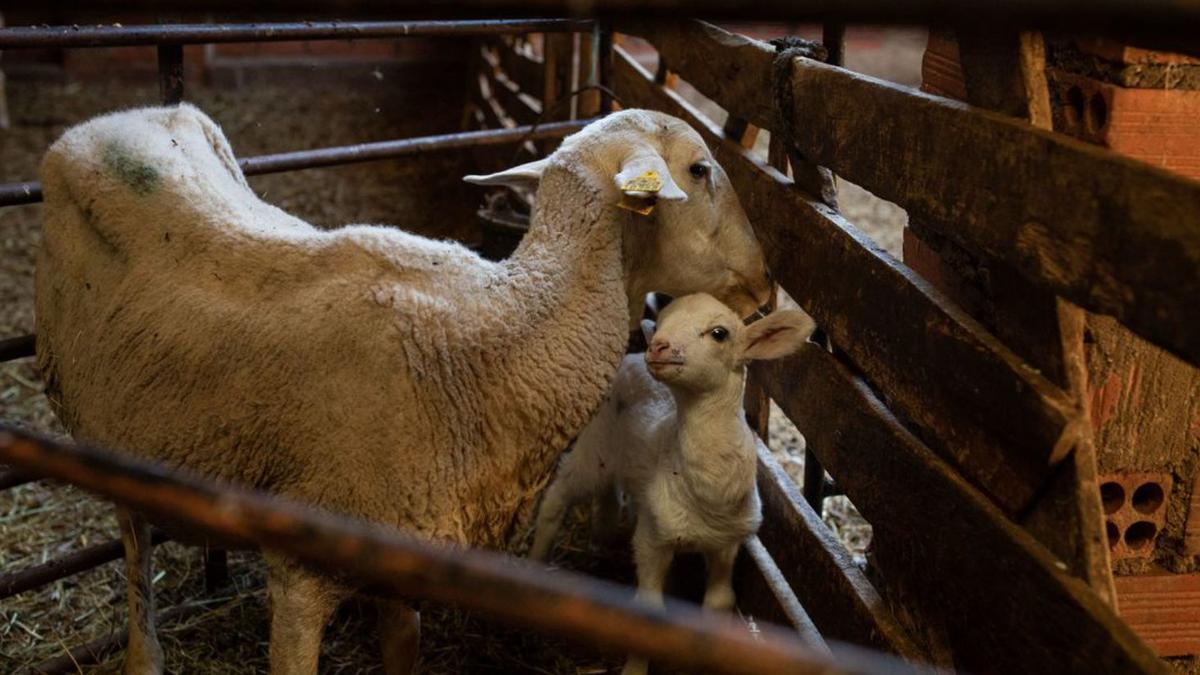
(647,182)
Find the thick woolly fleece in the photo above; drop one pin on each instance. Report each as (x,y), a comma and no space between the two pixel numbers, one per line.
(372,372)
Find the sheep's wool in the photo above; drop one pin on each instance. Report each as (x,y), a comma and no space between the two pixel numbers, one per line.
(373,372)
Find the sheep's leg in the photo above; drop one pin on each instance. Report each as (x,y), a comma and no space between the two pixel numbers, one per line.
(653,561)
(719,594)
(143,655)
(399,635)
(301,604)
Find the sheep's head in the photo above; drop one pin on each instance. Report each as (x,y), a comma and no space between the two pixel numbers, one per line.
(698,341)
(686,231)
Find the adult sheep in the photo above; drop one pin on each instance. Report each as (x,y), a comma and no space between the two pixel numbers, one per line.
(371,372)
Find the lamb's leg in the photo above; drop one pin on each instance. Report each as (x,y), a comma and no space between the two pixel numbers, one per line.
(571,482)
(653,561)
(606,514)
(301,604)
(719,594)
(399,635)
(549,519)
(143,655)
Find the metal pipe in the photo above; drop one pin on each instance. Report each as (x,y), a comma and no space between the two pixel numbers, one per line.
(12,194)
(170,73)
(833,37)
(604,57)
(19,37)
(31,192)
(348,154)
(591,611)
(60,568)
(22,346)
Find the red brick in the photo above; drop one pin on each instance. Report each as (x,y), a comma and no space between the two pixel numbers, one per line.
(1135,520)
(1163,609)
(1121,53)
(941,73)
(1157,126)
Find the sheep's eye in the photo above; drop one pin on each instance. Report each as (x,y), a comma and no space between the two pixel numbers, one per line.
(720,333)
(698,170)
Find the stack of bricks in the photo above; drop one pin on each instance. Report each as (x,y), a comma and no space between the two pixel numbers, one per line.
(1145,105)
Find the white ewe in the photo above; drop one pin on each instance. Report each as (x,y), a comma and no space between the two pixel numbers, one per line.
(369,371)
(673,437)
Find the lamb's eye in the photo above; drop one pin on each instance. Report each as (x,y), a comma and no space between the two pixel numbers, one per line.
(698,170)
(720,333)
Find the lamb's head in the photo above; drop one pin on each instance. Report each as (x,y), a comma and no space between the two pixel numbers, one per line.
(698,343)
(685,230)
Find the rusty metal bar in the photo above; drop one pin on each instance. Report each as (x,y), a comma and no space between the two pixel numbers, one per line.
(204,33)
(12,479)
(72,563)
(308,159)
(22,346)
(96,651)
(31,192)
(833,37)
(604,64)
(594,612)
(170,73)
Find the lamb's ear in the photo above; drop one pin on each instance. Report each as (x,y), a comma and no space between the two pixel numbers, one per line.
(648,330)
(777,335)
(644,174)
(522,177)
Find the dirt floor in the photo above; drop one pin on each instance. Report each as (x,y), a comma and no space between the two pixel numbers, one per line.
(39,521)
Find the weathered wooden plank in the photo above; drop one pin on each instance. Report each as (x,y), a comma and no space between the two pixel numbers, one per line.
(558,58)
(521,108)
(1107,232)
(1001,422)
(1008,606)
(837,595)
(526,71)
(1005,71)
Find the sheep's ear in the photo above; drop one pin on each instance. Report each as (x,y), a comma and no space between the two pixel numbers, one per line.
(644,175)
(648,330)
(777,335)
(523,177)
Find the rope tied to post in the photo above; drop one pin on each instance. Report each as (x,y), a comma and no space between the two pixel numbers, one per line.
(787,48)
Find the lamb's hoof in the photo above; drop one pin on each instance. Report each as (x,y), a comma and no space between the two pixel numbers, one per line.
(719,600)
(635,666)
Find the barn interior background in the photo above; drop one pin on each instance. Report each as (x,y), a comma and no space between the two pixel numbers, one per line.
(1137,466)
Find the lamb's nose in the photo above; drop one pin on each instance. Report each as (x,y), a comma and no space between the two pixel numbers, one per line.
(659,347)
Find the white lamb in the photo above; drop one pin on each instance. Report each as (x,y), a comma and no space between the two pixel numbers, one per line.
(365,370)
(673,437)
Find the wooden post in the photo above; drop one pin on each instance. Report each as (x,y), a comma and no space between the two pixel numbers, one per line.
(1006,71)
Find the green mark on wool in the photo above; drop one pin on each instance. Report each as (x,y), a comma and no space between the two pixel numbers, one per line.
(139,176)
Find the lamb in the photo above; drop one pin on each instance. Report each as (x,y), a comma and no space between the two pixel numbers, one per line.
(672,435)
(371,372)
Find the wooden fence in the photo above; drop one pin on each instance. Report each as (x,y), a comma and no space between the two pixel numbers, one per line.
(970,461)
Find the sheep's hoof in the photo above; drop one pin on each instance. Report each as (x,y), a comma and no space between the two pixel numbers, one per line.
(142,664)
